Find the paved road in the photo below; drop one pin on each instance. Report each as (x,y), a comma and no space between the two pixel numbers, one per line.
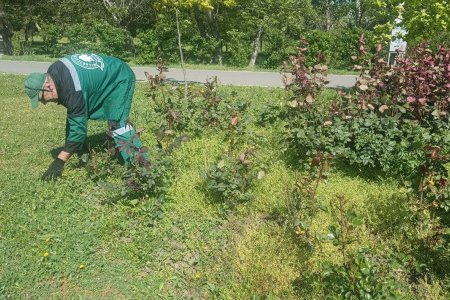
(242,78)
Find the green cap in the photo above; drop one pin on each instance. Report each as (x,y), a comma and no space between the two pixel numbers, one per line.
(33,86)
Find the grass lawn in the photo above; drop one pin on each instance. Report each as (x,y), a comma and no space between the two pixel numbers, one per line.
(67,239)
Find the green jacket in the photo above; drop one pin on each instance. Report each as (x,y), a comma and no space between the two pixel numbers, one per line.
(92,87)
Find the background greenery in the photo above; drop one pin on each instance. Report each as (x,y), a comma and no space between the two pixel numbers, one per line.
(221,32)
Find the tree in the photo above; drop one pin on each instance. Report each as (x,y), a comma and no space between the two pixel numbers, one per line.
(6,30)
(176,5)
(426,20)
(333,14)
(276,24)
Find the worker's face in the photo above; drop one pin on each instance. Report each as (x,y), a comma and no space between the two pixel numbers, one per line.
(48,93)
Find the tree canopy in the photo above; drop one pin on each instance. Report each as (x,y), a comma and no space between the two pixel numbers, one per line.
(235,32)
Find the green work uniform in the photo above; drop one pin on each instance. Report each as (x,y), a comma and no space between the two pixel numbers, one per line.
(96,87)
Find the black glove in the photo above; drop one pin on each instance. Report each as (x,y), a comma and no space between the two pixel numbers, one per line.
(54,170)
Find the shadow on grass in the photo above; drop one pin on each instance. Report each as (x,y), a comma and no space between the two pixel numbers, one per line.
(99,141)
(304,165)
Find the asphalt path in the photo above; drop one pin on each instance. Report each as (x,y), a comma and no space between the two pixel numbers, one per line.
(240,78)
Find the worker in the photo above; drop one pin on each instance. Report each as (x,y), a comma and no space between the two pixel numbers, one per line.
(94,87)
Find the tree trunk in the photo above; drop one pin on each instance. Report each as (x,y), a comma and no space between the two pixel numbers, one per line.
(200,23)
(181,52)
(215,29)
(358,12)
(328,16)
(256,47)
(6,32)
(110,6)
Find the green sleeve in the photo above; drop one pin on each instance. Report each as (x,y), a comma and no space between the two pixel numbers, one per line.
(76,129)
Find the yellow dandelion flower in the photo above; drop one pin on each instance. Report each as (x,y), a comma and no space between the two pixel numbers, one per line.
(45,254)
(82,266)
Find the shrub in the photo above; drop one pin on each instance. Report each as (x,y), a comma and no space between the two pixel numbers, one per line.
(51,33)
(112,40)
(229,180)
(238,48)
(337,45)
(81,37)
(200,50)
(147,47)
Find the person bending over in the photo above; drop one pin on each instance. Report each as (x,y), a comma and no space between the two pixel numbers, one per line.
(91,87)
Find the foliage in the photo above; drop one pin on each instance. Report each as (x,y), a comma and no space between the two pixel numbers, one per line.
(302,203)
(82,37)
(382,116)
(146,47)
(337,45)
(51,33)
(363,273)
(111,40)
(145,181)
(230,180)
(427,20)
(238,52)
(433,185)
(20,45)
(380,124)
(201,109)
(362,277)
(271,114)
(304,84)
(138,182)
(215,31)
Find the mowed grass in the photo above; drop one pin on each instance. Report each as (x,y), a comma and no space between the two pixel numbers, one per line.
(66,240)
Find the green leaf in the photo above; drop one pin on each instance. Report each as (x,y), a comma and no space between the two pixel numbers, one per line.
(365,271)
(221,164)
(261,174)
(357,221)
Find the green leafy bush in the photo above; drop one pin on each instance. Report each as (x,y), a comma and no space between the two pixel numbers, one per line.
(364,273)
(200,50)
(238,49)
(146,47)
(148,181)
(112,40)
(81,36)
(229,180)
(51,33)
(337,45)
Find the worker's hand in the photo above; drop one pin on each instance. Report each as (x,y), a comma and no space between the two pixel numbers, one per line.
(54,170)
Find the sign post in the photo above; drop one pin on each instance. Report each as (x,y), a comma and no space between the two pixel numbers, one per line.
(397,46)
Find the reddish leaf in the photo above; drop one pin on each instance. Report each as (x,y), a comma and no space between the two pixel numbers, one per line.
(234,120)
(411,99)
(363,87)
(383,108)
